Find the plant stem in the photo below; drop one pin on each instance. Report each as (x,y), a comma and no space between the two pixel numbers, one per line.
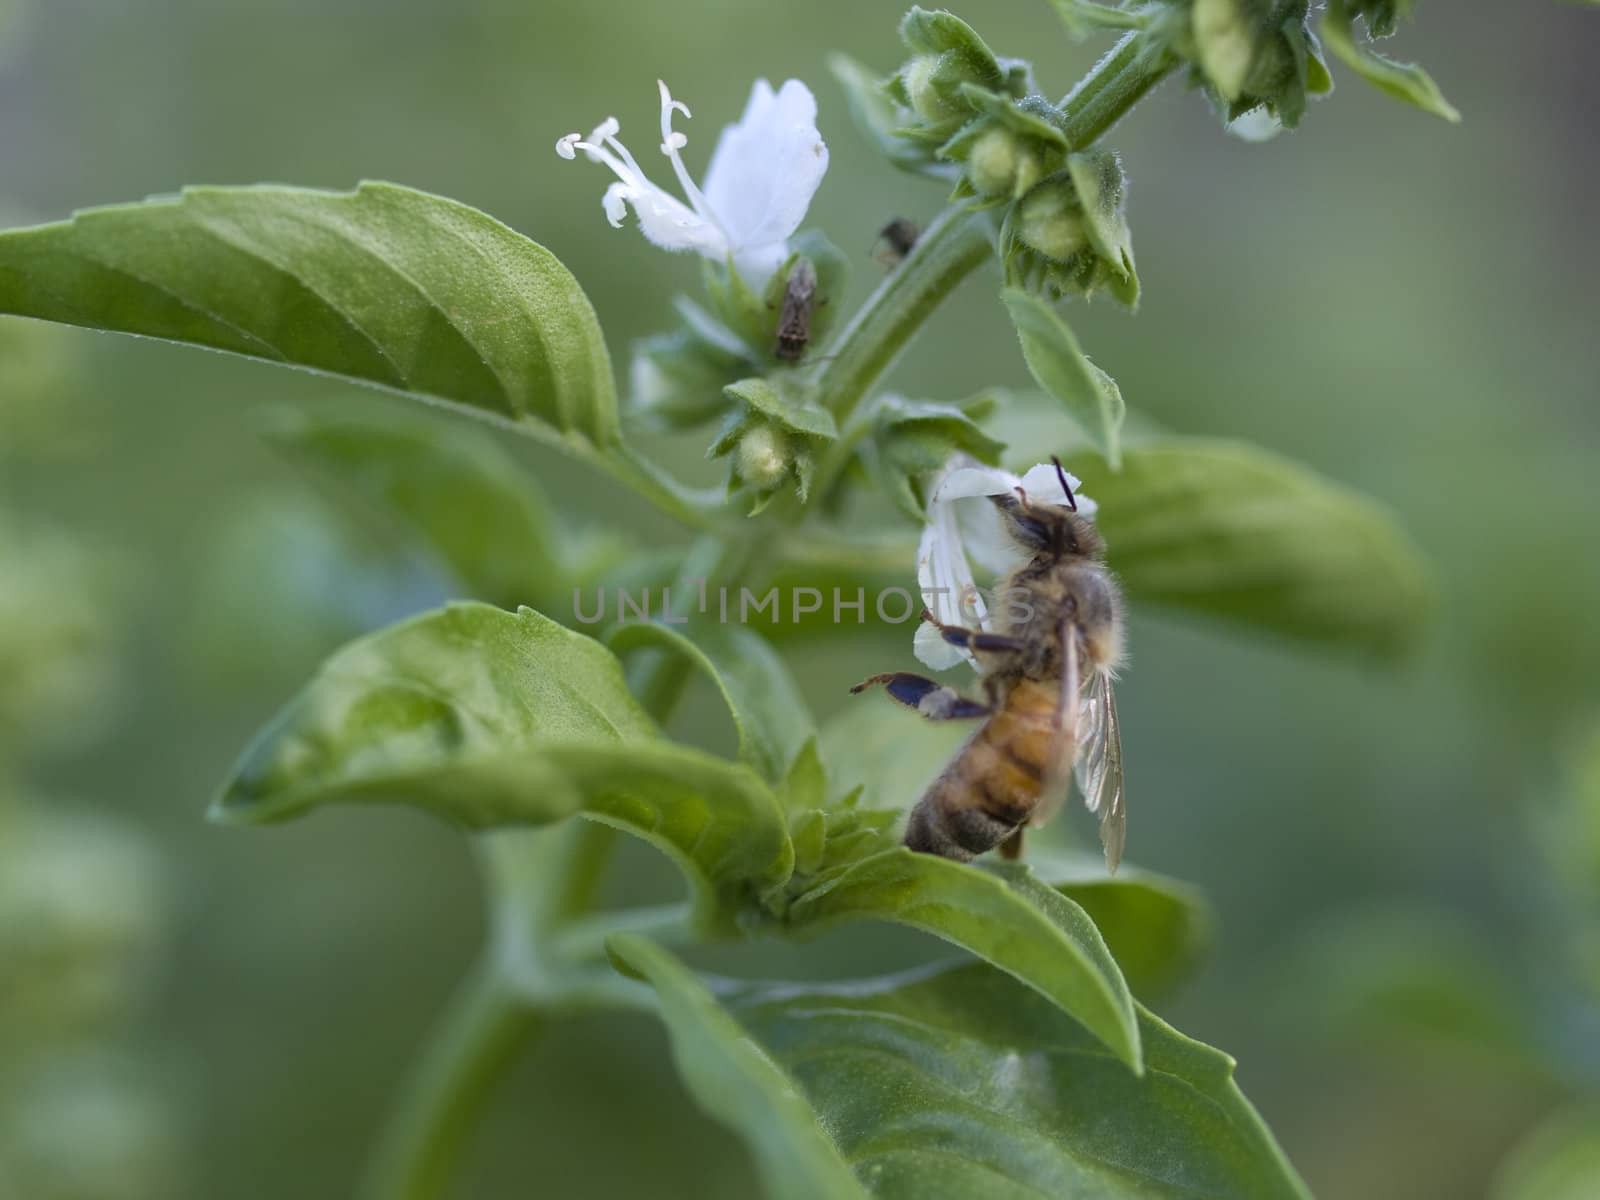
(697,509)
(949,250)
(1118,81)
(957,242)
(483,1032)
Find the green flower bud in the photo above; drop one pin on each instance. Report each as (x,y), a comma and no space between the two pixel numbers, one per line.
(773,437)
(1254,54)
(1049,220)
(1225,43)
(764,457)
(1069,234)
(930,92)
(999,163)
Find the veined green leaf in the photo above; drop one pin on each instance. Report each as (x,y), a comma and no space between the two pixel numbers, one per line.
(491,719)
(1004,915)
(1404,81)
(1236,532)
(1058,363)
(383,285)
(738,1083)
(453,490)
(1158,929)
(772,720)
(958,1083)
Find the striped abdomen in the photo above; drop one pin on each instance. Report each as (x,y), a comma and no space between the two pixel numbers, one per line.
(993,784)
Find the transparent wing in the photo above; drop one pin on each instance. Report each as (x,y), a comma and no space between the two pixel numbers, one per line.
(1053,789)
(1098,765)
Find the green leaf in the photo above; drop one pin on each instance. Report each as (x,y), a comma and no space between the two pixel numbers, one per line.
(491,719)
(888,751)
(1405,81)
(1082,17)
(912,438)
(738,1083)
(1000,913)
(676,379)
(801,416)
(959,1083)
(1058,363)
(772,720)
(1158,929)
(383,285)
(875,114)
(1232,531)
(964,55)
(454,491)
(1097,177)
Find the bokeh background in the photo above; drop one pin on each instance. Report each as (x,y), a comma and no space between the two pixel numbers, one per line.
(1407,962)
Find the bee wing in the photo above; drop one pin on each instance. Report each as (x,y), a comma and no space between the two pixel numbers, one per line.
(1064,748)
(1098,765)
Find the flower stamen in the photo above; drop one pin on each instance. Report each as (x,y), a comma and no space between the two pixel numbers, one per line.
(671,142)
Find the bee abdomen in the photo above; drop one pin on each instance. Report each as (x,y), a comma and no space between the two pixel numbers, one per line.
(985,795)
(961,833)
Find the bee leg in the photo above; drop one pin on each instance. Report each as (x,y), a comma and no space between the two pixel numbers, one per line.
(974,640)
(1011,848)
(933,700)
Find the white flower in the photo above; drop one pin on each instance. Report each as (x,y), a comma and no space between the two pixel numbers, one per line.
(965,528)
(1257,125)
(761,179)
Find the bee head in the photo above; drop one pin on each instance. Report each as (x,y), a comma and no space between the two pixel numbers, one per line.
(1047,530)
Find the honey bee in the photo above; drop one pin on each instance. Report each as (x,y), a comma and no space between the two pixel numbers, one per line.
(1048,707)
(794,318)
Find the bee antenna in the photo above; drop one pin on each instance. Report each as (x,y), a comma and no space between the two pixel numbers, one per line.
(1061,474)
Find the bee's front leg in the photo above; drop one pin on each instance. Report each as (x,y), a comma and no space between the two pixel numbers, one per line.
(974,640)
(930,698)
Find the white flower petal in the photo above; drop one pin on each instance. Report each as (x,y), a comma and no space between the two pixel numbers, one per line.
(933,651)
(763,174)
(966,482)
(964,528)
(766,168)
(756,264)
(671,224)
(615,204)
(1043,487)
(1257,125)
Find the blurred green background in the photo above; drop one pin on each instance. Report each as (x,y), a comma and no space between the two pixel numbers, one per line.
(1405,305)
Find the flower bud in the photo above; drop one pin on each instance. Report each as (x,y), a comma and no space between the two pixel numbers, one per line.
(1069,234)
(999,163)
(764,457)
(773,438)
(1225,43)
(930,92)
(1049,220)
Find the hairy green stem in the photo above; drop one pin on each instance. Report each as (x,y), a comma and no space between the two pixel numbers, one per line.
(1118,81)
(486,1028)
(950,249)
(957,243)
